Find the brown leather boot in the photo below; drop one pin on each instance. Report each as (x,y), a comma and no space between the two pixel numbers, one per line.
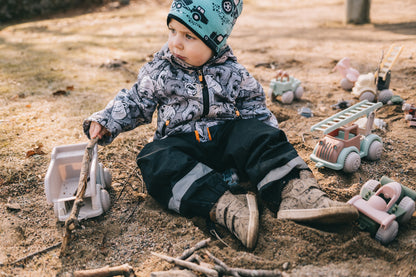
(303,201)
(239,214)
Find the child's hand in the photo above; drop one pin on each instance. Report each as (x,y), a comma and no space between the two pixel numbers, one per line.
(97,130)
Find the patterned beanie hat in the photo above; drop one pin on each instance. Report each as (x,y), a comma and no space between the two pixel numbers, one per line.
(211,20)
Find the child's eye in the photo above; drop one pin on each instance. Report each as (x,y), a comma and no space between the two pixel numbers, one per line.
(189,37)
(173,31)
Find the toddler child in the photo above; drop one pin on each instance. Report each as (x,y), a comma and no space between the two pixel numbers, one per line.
(214,131)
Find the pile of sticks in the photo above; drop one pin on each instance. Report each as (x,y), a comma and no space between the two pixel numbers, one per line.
(193,261)
(189,264)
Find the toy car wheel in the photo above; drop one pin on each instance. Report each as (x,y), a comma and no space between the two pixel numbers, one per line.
(105,199)
(408,205)
(384,96)
(375,150)
(387,235)
(271,95)
(299,92)
(406,107)
(108,179)
(346,84)
(352,162)
(408,117)
(367,95)
(287,97)
(369,186)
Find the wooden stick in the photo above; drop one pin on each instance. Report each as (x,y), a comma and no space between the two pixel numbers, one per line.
(237,272)
(207,271)
(187,253)
(72,222)
(36,253)
(125,270)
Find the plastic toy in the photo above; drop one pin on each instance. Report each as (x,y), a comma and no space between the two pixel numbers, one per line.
(342,104)
(286,86)
(395,100)
(305,112)
(375,86)
(383,205)
(62,177)
(349,74)
(344,145)
(410,114)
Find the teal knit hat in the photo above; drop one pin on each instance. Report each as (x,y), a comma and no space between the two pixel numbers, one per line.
(211,20)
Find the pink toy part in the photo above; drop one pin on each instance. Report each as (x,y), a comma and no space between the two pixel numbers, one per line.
(346,71)
(282,75)
(376,208)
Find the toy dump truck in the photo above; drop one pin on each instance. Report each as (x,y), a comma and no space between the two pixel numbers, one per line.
(410,114)
(344,145)
(375,86)
(62,178)
(286,86)
(382,206)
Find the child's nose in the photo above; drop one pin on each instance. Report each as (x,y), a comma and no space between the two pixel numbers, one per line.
(177,42)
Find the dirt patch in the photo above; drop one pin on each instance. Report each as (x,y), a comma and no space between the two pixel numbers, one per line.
(91,56)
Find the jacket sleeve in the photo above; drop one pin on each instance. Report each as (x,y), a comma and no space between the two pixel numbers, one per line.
(251,100)
(129,109)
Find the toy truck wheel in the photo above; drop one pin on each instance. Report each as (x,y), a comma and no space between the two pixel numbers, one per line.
(387,235)
(375,150)
(105,199)
(299,92)
(406,107)
(346,84)
(384,96)
(108,179)
(287,97)
(369,186)
(352,162)
(367,95)
(408,205)
(408,117)
(271,95)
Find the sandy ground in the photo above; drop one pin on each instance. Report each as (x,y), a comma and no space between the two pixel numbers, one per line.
(79,53)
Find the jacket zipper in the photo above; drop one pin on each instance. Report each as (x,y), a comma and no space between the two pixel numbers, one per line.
(205,95)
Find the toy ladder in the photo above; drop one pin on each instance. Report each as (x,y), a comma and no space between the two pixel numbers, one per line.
(389,60)
(346,116)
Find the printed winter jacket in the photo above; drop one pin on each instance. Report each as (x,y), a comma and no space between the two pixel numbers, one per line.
(188,99)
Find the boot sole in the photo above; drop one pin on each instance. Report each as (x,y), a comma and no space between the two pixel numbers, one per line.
(331,215)
(253,223)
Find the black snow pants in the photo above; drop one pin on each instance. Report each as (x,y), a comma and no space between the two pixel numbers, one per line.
(187,176)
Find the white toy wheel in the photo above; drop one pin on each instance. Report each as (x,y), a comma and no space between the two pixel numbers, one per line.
(346,84)
(108,179)
(287,97)
(375,150)
(105,199)
(370,185)
(271,95)
(384,96)
(299,92)
(387,235)
(367,95)
(352,162)
(408,117)
(408,205)
(406,107)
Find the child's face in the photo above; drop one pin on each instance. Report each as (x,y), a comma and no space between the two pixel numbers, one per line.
(184,45)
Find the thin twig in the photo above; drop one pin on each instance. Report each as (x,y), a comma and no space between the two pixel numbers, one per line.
(207,271)
(36,253)
(126,270)
(188,252)
(72,222)
(241,272)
